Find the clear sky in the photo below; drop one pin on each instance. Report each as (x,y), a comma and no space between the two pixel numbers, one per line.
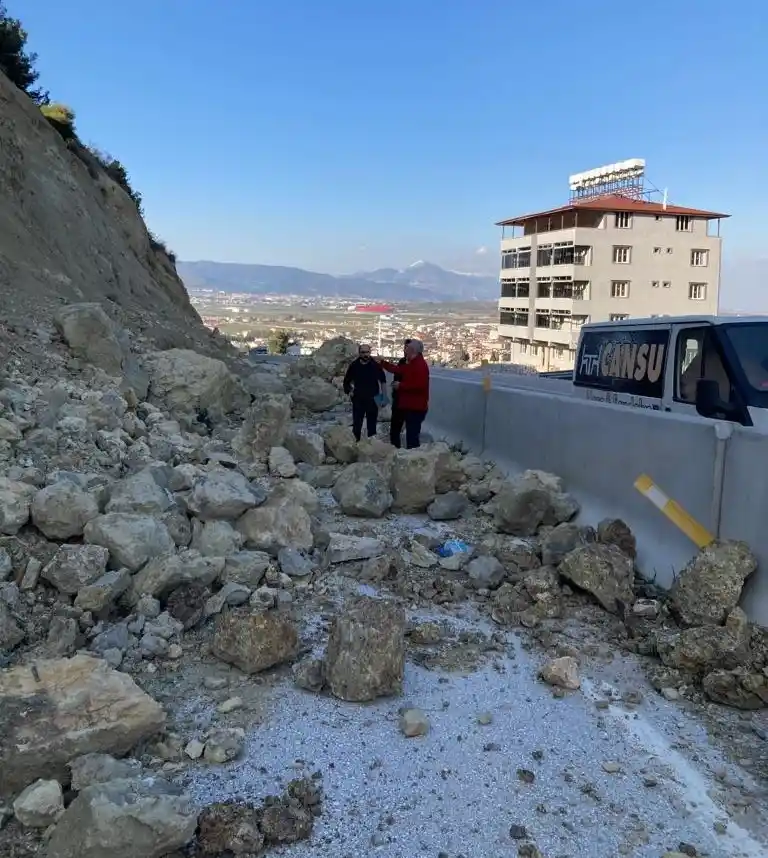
(339,135)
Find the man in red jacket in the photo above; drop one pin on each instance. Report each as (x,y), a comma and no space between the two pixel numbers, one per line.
(412,387)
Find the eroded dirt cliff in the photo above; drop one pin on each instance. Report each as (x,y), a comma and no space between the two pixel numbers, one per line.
(68,233)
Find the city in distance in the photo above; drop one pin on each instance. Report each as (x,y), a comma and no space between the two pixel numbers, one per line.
(421,281)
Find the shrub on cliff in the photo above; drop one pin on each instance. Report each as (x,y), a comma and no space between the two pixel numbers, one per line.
(117,172)
(17,63)
(62,118)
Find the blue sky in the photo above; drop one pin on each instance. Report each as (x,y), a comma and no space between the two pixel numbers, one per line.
(349,134)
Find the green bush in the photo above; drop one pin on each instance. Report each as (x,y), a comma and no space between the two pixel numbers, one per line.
(278,342)
(15,61)
(157,244)
(117,172)
(62,118)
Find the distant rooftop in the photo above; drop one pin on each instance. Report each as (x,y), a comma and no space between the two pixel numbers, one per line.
(615,203)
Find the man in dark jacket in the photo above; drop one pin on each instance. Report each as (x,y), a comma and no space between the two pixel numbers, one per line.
(398,416)
(365,381)
(412,386)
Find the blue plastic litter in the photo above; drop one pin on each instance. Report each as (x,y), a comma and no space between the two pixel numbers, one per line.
(453,546)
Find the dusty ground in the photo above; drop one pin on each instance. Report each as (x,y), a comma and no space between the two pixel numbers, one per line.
(613,769)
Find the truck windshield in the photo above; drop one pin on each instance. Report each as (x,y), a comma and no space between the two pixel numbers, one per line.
(749,342)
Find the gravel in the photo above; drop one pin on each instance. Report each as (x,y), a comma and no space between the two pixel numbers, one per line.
(620,780)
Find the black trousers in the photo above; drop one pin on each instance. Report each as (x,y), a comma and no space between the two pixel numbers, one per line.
(364,409)
(396,426)
(413,421)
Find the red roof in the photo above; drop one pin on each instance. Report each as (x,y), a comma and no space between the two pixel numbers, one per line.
(614,203)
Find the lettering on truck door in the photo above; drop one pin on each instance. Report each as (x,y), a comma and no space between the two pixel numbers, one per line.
(623,366)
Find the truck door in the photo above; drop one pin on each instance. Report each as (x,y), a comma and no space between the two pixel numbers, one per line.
(697,354)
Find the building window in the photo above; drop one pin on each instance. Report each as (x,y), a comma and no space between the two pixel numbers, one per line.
(699,258)
(683,223)
(544,255)
(656,251)
(697,291)
(620,289)
(670,250)
(622,254)
(622,220)
(520,258)
(618,317)
(658,217)
(667,284)
(513,317)
(655,284)
(581,290)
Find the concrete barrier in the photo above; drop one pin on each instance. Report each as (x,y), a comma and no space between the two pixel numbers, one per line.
(600,450)
(744,511)
(457,410)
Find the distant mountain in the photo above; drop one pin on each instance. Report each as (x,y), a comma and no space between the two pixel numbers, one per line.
(421,281)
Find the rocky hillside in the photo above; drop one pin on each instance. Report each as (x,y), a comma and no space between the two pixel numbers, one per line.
(203,578)
(68,233)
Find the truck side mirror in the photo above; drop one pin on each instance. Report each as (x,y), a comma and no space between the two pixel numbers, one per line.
(708,402)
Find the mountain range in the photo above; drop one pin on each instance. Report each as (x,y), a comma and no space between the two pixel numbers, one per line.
(422,281)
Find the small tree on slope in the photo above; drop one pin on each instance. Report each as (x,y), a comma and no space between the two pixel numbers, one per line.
(15,61)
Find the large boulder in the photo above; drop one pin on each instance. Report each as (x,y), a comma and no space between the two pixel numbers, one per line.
(281,463)
(272,527)
(15,500)
(138,818)
(163,574)
(740,688)
(141,494)
(710,585)
(563,539)
(264,425)
(314,394)
(414,477)
(254,642)
(365,658)
(340,443)
(245,567)
(343,548)
(92,336)
(185,382)
(529,500)
(305,446)
(293,492)
(449,474)
(73,567)
(221,494)
(329,361)
(131,539)
(379,452)
(61,510)
(54,711)
(709,647)
(604,571)
(362,490)
(216,538)
(448,507)
(11,632)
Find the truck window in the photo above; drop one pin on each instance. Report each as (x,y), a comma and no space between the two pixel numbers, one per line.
(750,342)
(697,357)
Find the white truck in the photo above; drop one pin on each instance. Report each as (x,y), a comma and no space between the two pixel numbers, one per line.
(713,366)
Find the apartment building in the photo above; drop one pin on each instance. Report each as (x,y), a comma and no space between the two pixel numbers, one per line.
(600,258)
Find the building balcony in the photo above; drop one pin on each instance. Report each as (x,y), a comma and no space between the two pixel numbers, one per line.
(554,303)
(516,332)
(548,237)
(557,336)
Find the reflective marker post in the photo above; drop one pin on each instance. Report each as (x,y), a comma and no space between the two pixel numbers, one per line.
(674,512)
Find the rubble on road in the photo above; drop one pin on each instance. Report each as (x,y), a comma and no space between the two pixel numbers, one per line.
(151,528)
